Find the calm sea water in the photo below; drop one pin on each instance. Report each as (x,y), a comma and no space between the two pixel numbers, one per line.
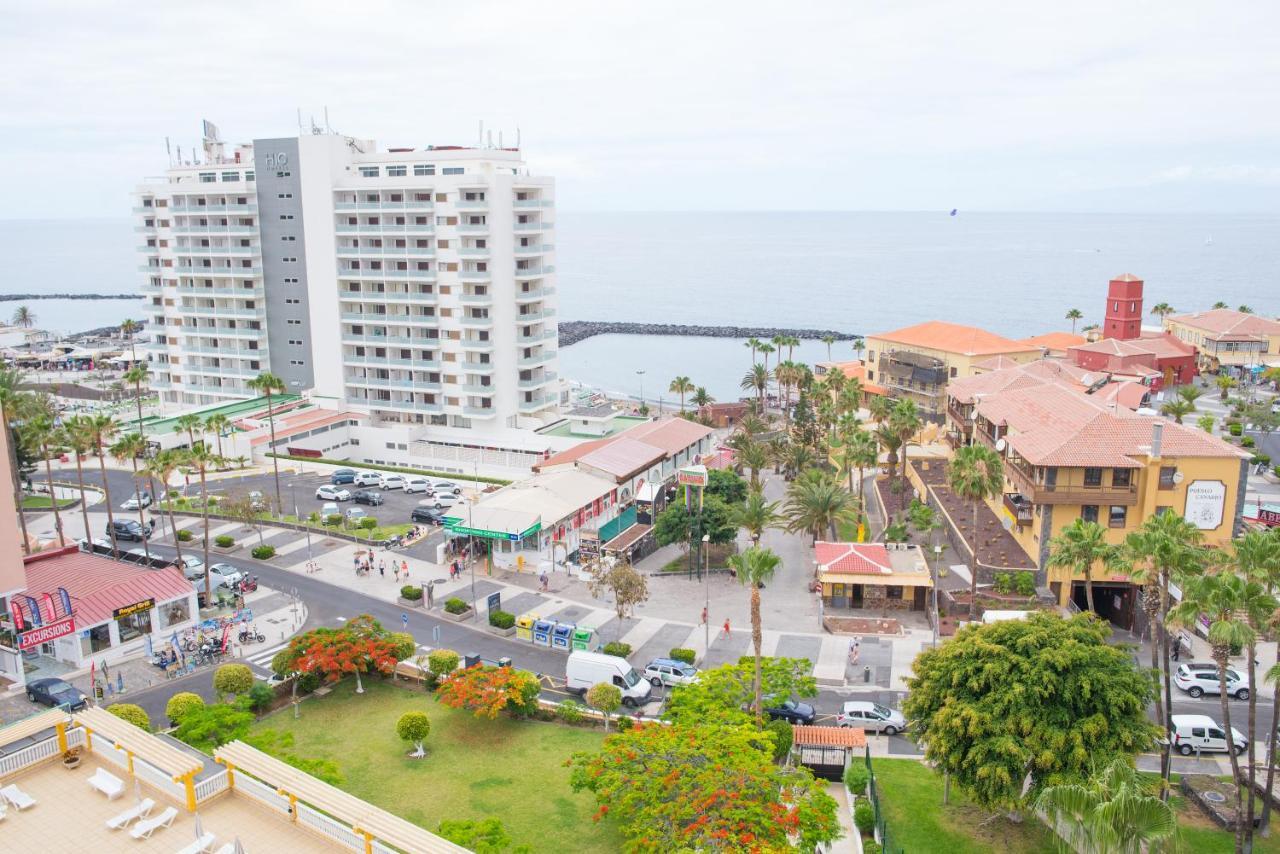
(1016,274)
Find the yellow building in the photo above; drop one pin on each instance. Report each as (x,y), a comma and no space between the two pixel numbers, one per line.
(1229,338)
(917,362)
(1068,456)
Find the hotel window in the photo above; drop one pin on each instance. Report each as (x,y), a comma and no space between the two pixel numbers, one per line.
(1093,477)
(453,170)
(424,169)
(1089,512)
(230,176)
(1121,478)
(1167,477)
(954,373)
(248,176)
(1116,518)
(208,177)
(368,171)
(395,171)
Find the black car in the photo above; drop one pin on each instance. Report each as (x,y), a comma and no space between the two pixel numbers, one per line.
(430,515)
(127,529)
(792,712)
(343,476)
(368,496)
(55,692)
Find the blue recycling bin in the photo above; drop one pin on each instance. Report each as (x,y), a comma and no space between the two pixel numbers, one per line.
(542,632)
(562,635)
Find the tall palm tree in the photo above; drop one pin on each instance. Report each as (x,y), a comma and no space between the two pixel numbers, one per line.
(24,317)
(217,424)
(858,344)
(1177,410)
(130,447)
(1112,812)
(130,328)
(189,424)
(818,505)
(80,440)
(1162,310)
(975,474)
(858,451)
(701,397)
(681,386)
(161,467)
(795,459)
(101,430)
(46,435)
(755,568)
(267,384)
(1256,556)
(765,349)
(1245,309)
(829,340)
(753,344)
(880,406)
(11,401)
(756,514)
(1225,383)
(1074,315)
(755,458)
(889,440)
(905,421)
(757,380)
(201,460)
(1079,547)
(138,374)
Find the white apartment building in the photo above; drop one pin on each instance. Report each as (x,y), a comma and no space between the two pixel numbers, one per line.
(416,284)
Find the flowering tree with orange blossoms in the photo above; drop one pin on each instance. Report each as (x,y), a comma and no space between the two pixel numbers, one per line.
(487,690)
(358,647)
(704,788)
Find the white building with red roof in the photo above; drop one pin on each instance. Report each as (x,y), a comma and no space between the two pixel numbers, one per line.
(883,576)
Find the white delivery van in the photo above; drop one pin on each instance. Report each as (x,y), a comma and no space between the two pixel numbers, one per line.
(591,668)
(1202,734)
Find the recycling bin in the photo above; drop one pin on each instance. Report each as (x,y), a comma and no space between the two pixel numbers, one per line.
(524,627)
(561,635)
(542,632)
(582,638)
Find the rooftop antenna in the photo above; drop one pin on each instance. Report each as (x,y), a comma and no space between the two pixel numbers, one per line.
(517,137)
(480,141)
(179,155)
(491,139)
(499,139)
(326,121)
(299,121)
(168,150)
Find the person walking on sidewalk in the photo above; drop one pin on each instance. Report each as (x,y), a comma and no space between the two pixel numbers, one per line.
(703,621)
(404,569)
(395,570)
(382,568)
(726,627)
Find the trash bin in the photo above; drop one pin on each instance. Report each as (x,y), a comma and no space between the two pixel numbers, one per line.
(582,638)
(561,635)
(505,661)
(542,632)
(524,627)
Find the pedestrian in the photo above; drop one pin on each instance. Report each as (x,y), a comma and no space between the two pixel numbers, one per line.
(404,569)
(382,568)
(703,622)
(726,627)
(431,593)
(356,559)
(542,579)
(857,650)
(395,570)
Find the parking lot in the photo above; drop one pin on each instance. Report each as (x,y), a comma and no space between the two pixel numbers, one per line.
(396,506)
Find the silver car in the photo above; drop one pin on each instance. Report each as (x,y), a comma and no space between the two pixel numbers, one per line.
(871,717)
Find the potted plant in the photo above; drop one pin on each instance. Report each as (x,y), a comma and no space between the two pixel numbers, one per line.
(410,596)
(502,623)
(456,609)
(224,543)
(71,758)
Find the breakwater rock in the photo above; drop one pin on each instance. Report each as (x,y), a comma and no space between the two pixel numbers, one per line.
(22,297)
(573,331)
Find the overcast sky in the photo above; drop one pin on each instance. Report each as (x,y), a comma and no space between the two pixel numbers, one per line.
(691,105)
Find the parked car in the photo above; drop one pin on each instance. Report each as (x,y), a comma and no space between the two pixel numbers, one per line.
(191,564)
(355,514)
(791,711)
(430,515)
(443,486)
(1200,678)
(393,481)
(328,509)
(871,717)
(1192,733)
(416,483)
(55,692)
(137,500)
(256,501)
(343,476)
(368,478)
(127,529)
(224,575)
(585,669)
(439,501)
(368,496)
(332,493)
(668,671)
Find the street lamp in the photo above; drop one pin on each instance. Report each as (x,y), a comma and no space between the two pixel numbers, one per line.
(640,373)
(937,558)
(706,588)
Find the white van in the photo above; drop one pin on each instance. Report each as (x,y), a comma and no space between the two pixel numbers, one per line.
(586,669)
(1201,733)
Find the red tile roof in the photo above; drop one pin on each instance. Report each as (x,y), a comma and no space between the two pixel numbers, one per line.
(1055,340)
(1227,322)
(572,455)
(99,585)
(853,558)
(828,736)
(954,338)
(995,363)
(1160,345)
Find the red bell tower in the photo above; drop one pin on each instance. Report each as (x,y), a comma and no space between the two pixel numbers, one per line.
(1124,308)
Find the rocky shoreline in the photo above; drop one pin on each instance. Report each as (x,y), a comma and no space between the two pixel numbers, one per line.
(18,297)
(573,331)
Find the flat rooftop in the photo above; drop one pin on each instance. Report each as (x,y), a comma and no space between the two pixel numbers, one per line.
(621,424)
(163,426)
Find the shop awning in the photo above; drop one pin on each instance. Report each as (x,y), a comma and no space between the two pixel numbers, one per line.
(494,523)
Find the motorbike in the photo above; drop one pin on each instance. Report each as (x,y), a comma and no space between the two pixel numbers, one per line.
(248,584)
(248,635)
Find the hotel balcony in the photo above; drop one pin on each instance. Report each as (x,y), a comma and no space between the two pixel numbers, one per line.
(479,411)
(389,297)
(212,311)
(541,401)
(374,207)
(1069,487)
(477,345)
(377,340)
(476,299)
(473,228)
(476,367)
(533,226)
(468,320)
(531,203)
(394,382)
(535,293)
(535,316)
(536,382)
(417,228)
(1019,507)
(475,275)
(200,270)
(392,319)
(383,362)
(400,405)
(380,251)
(536,359)
(537,337)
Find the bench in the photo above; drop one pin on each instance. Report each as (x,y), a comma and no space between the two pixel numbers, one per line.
(107,783)
(17,797)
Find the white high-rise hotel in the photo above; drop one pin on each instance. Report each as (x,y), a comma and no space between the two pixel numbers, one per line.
(417,283)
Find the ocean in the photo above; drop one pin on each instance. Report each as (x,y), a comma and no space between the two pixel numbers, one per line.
(1013,273)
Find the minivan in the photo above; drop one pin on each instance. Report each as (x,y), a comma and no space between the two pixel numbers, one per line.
(585,669)
(1199,678)
(1201,733)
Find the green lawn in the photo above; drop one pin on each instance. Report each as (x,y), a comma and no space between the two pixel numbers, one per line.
(475,768)
(43,502)
(1198,833)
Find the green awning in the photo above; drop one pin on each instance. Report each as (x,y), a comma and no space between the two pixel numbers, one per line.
(455,526)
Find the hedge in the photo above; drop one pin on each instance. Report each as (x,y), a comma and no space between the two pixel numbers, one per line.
(224,541)
(501,619)
(263,552)
(400,469)
(856,777)
(185,536)
(456,606)
(1235,429)
(621,650)
(411,592)
(688,656)
(864,816)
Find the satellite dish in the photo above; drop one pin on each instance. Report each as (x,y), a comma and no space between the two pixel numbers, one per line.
(1006,523)
(1000,444)
(1178,477)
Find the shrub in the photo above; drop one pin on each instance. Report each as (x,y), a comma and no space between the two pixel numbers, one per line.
(870,846)
(1247,442)
(1236,429)
(1261,460)
(411,592)
(856,777)
(782,738)
(282,663)
(625,723)
(501,619)
(405,644)
(485,835)
(181,704)
(570,712)
(333,520)
(1276,471)
(263,552)
(456,606)
(185,536)
(232,679)
(308,682)
(224,541)
(414,727)
(368,523)
(260,696)
(688,656)
(135,715)
(622,650)
(442,662)
(864,816)
(1003,583)
(214,726)
(1025,584)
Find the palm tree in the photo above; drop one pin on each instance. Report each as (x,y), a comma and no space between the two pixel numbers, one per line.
(889,440)
(754,457)
(880,407)
(24,317)
(975,474)
(1079,547)
(138,375)
(701,398)
(129,447)
(267,384)
(1190,394)
(11,400)
(1245,309)
(161,467)
(189,424)
(828,339)
(44,434)
(756,514)
(858,344)
(757,380)
(681,386)
(1219,304)
(1225,383)
(1256,556)
(753,344)
(864,453)
(1177,410)
(1112,812)
(1162,310)
(101,429)
(795,459)
(905,421)
(755,567)
(130,328)
(217,424)
(818,505)
(80,439)
(1074,315)
(202,460)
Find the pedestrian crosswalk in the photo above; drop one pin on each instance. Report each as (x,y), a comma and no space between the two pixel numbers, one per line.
(261,659)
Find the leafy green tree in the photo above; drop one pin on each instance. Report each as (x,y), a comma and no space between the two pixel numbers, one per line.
(605,699)
(232,679)
(728,692)
(486,836)
(181,704)
(1080,547)
(1026,703)
(619,580)
(44,433)
(975,474)
(704,788)
(415,727)
(1112,812)
(268,384)
(134,714)
(102,429)
(1205,422)
(209,727)
(675,524)
(755,568)
(727,486)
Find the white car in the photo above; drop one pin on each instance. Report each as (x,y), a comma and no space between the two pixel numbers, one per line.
(871,717)
(329,509)
(332,493)
(1200,678)
(393,481)
(416,483)
(192,565)
(140,500)
(368,478)
(442,486)
(439,501)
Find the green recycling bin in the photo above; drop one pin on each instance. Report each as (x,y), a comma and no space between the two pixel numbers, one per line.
(582,638)
(524,627)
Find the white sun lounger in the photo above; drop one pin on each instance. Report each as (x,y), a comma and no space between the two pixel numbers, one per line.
(229,848)
(146,827)
(201,845)
(107,783)
(17,797)
(123,820)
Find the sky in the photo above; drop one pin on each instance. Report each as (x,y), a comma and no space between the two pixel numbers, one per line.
(850,105)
